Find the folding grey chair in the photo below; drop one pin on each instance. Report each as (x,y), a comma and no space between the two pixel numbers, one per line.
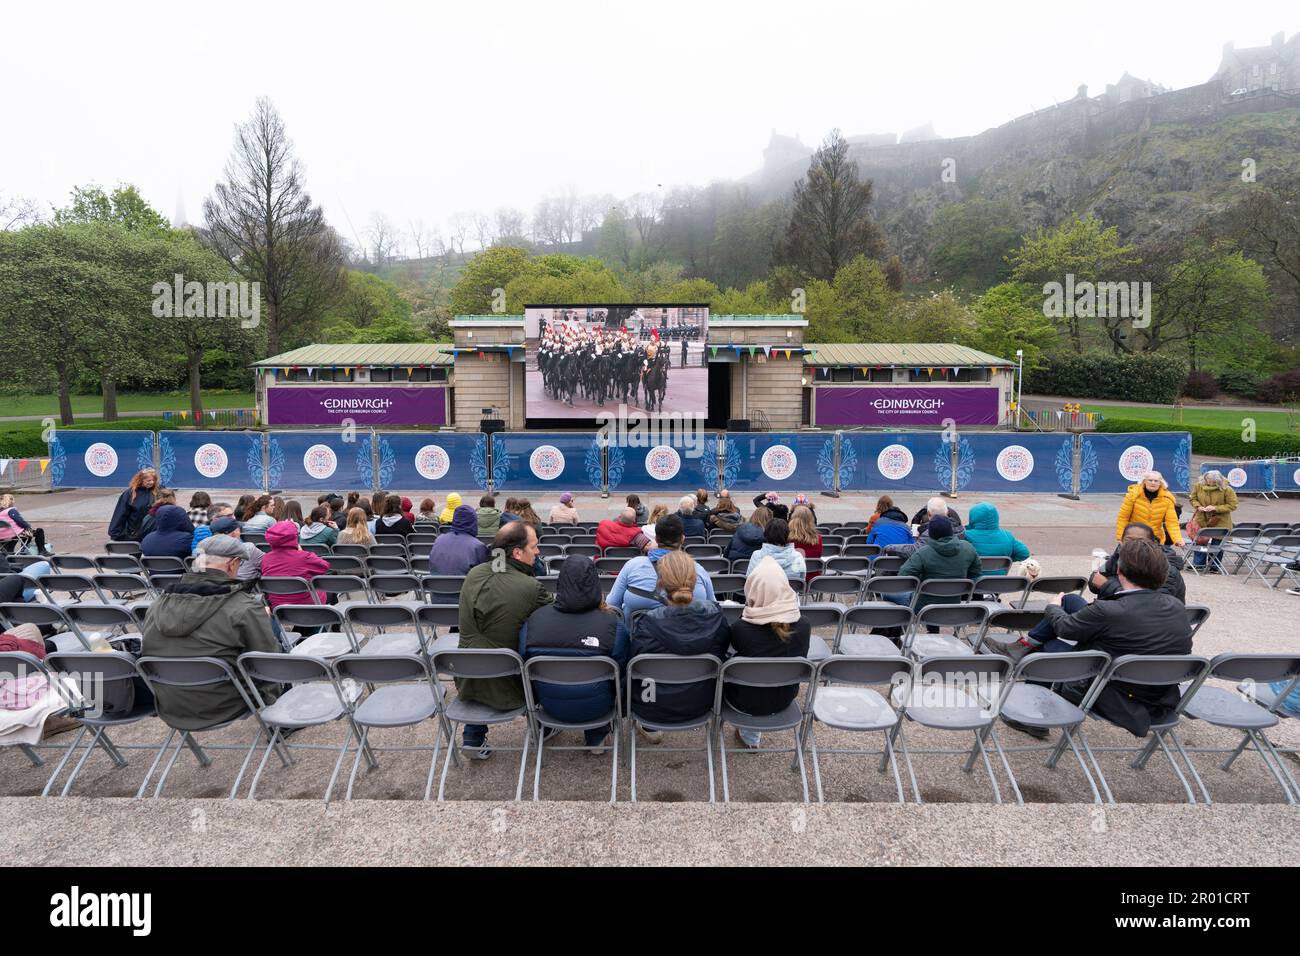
(73,563)
(725,584)
(890,584)
(346,564)
(1224,708)
(991,565)
(855,567)
(407,638)
(843,697)
(583,550)
(315,697)
(1282,554)
(351,551)
(920,643)
(387,589)
(550,549)
(410,696)
(162,564)
(116,619)
(1197,615)
(1240,543)
(876,614)
(391,540)
(823,614)
(334,638)
(1270,545)
(887,564)
(45,615)
(19,665)
(1013,621)
(122,547)
(610,566)
(93,674)
(1156,671)
(845,588)
(1059,584)
(387,564)
(1212,549)
(572,672)
(1033,701)
(287,587)
(740,566)
(671,670)
(443,588)
(551,582)
(814,566)
(179,673)
(119,564)
(434,616)
(343,590)
(962,589)
(76,587)
(990,588)
(768,672)
(704,550)
(480,664)
(321,549)
(716,567)
(967,697)
(125,589)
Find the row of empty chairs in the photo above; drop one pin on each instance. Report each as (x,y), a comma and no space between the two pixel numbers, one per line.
(1257,549)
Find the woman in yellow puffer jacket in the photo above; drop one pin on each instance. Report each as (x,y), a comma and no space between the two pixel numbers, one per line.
(1151,503)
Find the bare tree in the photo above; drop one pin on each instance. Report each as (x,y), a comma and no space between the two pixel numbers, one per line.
(383,238)
(458,227)
(262,221)
(423,239)
(484,226)
(16,212)
(509,224)
(644,212)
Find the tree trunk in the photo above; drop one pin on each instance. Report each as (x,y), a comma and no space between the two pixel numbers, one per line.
(273,327)
(108,385)
(196,388)
(65,394)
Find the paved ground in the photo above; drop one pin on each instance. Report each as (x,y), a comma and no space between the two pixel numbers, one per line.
(766,824)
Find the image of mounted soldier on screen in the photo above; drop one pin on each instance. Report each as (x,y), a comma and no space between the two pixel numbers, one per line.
(588,359)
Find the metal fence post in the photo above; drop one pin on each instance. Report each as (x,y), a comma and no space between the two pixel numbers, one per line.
(266,463)
(1076,465)
(374,461)
(488,454)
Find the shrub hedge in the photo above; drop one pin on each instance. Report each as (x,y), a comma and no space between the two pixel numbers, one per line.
(1133,378)
(23,439)
(1218,442)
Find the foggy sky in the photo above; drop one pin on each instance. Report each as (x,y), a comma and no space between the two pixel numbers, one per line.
(422,110)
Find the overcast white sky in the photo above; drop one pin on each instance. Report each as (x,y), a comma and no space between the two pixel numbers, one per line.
(420,110)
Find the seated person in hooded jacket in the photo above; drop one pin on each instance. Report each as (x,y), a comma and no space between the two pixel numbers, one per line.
(208,613)
(171,536)
(457,550)
(687,625)
(578,624)
(1104,582)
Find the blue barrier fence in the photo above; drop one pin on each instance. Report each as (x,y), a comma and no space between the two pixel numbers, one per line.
(210,459)
(98,459)
(758,461)
(674,465)
(567,461)
(1248,477)
(541,461)
(1111,463)
(438,461)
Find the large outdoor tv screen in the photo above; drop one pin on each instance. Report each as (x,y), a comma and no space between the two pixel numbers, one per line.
(585,360)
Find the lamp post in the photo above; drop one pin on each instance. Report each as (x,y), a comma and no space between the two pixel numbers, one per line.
(1020,388)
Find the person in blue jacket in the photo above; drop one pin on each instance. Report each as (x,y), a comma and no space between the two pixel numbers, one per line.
(892,527)
(171,535)
(989,539)
(578,624)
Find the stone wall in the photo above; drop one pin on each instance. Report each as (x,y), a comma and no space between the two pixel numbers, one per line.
(775,387)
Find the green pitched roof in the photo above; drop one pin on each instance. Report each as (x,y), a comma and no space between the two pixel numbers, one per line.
(914,354)
(396,354)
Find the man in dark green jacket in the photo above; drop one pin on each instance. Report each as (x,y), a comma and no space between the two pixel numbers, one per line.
(208,613)
(944,557)
(496,599)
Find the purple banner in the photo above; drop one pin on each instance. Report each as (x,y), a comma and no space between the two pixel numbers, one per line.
(365,405)
(906,406)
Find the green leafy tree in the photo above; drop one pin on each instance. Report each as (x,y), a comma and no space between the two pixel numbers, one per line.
(1086,250)
(123,206)
(830,220)
(1008,318)
(939,317)
(489,270)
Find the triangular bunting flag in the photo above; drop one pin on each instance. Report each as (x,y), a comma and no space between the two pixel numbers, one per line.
(4,463)
(184,415)
(22,465)
(45,463)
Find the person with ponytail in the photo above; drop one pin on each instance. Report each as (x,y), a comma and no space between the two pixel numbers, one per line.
(686,625)
(770,626)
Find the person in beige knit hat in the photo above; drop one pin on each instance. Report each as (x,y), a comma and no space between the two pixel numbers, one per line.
(770,626)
